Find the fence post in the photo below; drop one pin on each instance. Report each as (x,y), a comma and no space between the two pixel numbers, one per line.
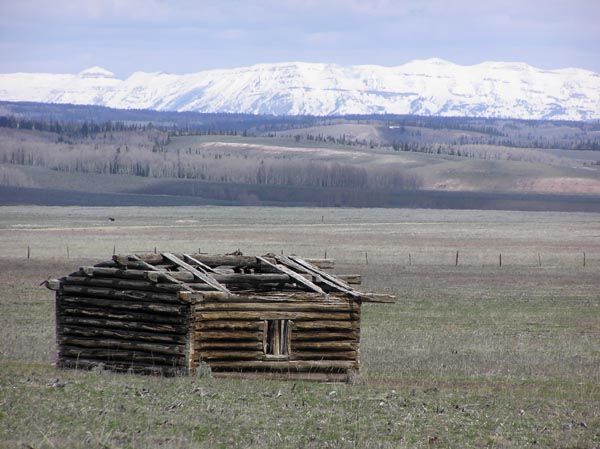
(28,252)
(366,258)
(500,260)
(67,251)
(539,260)
(456,263)
(409,260)
(584,258)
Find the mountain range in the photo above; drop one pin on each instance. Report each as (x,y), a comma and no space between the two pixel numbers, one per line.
(422,87)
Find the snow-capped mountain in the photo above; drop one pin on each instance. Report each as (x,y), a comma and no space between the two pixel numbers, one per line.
(424,87)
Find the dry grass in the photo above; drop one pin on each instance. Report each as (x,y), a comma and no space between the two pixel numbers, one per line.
(470,356)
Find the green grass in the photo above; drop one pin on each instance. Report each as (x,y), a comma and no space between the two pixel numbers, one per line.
(470,356)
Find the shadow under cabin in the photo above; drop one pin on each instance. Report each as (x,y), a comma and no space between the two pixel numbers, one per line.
(242,316)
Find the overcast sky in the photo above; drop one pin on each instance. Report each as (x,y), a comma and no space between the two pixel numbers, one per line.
(192,35)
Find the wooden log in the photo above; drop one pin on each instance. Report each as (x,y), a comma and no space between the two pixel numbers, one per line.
(168,300)
(298,278)
(103,333)
(155,328)
(320,355)
(234,346)
(121,284)
(137,368)
(146,266)
(94,312)
(321,325)
(113,304)
(206,336)
(269,297)
(197,272)
(288,365)
(280,306)
(303,376)
(227,325)
(323,345)
(120,355)
(327,278)
(125,345)
(230,355)
(298,335)
(275,315)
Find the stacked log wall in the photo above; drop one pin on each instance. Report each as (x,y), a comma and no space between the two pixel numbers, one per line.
(229,336)
(121,324)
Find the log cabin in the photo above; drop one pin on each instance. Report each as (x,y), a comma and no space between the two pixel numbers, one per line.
(239,316)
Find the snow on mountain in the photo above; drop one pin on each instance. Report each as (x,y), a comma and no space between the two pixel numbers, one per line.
(424,87)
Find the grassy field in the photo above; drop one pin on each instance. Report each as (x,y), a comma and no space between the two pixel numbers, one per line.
(472,355)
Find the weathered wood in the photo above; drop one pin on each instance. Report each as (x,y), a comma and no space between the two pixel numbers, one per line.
(275,315)
(103,333)
(229,355)
(234,346)
(227,325)
(348,306)
(121,355)
(297,277)
(323,345)
(125,345)
(95,312)
(128,305)
(298,335)
(137,368)
(304,376)
(205,336)
(269,297)
(315,325)
(125,295)
(190,259)
(287,365)
(332,281)
(146,266)
(121,284)
(133,326)
(202,275)
(320,355)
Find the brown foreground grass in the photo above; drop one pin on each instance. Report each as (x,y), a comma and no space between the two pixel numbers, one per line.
(469,356)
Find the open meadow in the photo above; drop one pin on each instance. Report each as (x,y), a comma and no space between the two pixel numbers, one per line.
(472,354)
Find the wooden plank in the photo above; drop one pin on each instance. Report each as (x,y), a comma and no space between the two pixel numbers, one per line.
(188,258)
(128,305)
(297,277)
(312,269)
(133,326)
(203,276)
(103,333)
